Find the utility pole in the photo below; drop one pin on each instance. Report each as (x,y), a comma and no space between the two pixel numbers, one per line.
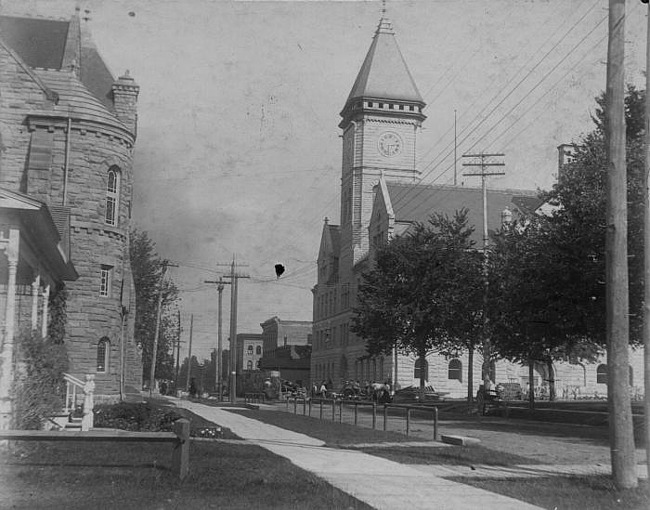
(152,373)
(617,314)
(646,251)
(234,277)
(178,352)
(483,162)
(219,377)
(189,355)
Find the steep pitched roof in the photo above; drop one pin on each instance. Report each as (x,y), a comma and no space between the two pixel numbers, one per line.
(39,42)
(56,44)
(384,73)
(417,203)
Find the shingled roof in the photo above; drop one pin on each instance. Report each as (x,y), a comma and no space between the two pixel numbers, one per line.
(49,44)
(413,204)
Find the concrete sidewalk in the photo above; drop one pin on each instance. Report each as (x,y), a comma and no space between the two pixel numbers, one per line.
(381,483)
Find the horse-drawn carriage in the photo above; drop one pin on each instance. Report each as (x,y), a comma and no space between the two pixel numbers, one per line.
(377,392)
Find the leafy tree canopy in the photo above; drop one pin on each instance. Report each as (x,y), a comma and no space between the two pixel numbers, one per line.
(147,268)
(424,292)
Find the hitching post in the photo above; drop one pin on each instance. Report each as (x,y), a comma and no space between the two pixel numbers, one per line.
(181,452)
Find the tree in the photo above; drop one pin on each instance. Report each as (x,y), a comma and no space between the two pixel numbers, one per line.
(424,292)
(541,298)
(147,268)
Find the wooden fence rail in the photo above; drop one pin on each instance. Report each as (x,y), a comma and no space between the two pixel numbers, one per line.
(180,438)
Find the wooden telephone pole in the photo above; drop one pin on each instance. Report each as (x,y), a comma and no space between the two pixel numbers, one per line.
(617,314)
(218,375)
(484,162)
(234,284)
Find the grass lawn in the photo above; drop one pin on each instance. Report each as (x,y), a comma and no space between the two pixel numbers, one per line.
(571,493)
(83,475)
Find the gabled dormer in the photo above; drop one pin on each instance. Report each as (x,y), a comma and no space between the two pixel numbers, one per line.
(328,254)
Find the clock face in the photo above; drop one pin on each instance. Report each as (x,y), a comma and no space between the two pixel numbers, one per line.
(389,144)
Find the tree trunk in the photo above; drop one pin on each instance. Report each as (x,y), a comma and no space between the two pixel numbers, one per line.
(470,375)
(551,380)
(531,385)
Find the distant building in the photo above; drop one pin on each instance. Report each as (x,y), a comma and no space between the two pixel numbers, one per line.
(287,348)
(67,131)
(249,351)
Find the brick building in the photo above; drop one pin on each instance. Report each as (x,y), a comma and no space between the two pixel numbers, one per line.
(67,130)
(249,351)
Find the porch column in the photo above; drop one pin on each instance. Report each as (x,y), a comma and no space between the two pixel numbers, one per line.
(36,285)
(11,247)
(46,304)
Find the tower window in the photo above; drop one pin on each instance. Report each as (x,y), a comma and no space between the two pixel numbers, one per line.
(250,350)
(112,197)
(401,107)
(103,350)
(106,274)
(370,104)
(381,105)
(249,365)
(412,108)
(258,351)
(390,106)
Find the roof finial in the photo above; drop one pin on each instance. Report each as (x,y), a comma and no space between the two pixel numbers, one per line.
(384,23)
(383,8)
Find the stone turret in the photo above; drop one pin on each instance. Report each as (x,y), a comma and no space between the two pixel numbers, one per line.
(125,97)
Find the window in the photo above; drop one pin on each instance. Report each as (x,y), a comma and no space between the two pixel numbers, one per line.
(103,350)
(631,376)
(419,366)
(112,197)
(601,374)
(105,281)
(249,365)
(250,350)
(455,370)
(258,351)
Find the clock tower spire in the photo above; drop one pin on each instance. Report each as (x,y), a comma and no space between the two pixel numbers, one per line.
(380,120)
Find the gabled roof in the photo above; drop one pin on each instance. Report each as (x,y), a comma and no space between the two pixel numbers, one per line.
(384,73)
(39,42)
(417,203)
(55,44)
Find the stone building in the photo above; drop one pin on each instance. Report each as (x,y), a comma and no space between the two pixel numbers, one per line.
(380,199)
(67,131)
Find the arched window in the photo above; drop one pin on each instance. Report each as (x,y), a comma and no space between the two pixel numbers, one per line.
(420,365)
(455,370)
(258,351)
(250,349)
(103,351)
(113,196)
(249,365)
(601,374)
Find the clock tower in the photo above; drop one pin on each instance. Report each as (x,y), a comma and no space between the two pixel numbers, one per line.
(380,121)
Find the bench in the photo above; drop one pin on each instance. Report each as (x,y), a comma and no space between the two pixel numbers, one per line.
(489,400)
(180,438)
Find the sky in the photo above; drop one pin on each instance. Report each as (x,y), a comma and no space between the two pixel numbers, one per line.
(239,151)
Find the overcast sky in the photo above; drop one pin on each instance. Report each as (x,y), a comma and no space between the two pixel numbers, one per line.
(238,148)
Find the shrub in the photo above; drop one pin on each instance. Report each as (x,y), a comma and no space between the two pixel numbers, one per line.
(39,387)
(135,417)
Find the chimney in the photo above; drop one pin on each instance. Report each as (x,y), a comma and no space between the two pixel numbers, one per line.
(125,97)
